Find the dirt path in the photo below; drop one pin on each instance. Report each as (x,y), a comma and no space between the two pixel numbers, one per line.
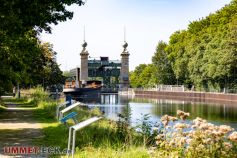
(17,128)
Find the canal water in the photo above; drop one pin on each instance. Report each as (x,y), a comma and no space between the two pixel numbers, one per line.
(113,105)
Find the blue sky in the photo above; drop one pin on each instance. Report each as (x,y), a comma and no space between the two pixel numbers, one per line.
(146,21)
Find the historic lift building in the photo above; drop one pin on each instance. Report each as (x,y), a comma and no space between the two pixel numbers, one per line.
(113,73)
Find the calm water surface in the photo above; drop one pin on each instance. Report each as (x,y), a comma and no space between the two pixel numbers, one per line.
(112,105)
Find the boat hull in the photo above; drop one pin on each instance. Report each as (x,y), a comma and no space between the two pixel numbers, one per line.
(81,94)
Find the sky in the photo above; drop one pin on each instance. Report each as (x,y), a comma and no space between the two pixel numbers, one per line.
(146,23)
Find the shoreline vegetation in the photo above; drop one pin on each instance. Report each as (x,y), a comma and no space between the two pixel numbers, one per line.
(105,138)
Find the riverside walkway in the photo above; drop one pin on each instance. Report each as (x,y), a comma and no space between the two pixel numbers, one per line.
(18,128)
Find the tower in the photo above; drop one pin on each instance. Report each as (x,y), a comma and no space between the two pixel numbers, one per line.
(84,63)
(124,72)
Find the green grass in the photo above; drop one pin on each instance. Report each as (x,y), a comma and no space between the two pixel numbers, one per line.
(2,108)
(21,102)
(131,152)
(100,139)
(14,100)
(97,140)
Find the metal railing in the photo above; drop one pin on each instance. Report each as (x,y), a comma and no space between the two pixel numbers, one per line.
(182,88)
(72,133)
(173,88)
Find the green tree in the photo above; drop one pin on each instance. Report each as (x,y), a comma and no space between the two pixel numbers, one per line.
(51,75)
(162,66)
(147,78)
(135,79)
(204,55)
(19,16)
(22,56)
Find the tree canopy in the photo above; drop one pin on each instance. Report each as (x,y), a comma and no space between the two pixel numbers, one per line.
(24,58)
(204,55)
(19,16)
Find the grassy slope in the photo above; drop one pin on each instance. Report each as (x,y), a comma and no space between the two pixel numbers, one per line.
(97,140)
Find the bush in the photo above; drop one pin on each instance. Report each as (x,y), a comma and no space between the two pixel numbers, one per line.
(199,139)
(38,94)
(145,130)
(124,130)
(37,97)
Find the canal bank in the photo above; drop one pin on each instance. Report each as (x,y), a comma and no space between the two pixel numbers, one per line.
(113,105)
(206,97)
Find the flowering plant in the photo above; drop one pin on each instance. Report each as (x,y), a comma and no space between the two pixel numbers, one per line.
(198,139)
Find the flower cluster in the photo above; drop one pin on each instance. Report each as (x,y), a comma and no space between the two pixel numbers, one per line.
(183,115)
(198,139)
(233,137)
(166,119)
(180,126)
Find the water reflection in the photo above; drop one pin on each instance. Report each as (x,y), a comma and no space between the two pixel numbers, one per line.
(109,99)
(216,113)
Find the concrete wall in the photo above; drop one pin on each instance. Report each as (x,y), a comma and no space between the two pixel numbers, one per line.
(191,96)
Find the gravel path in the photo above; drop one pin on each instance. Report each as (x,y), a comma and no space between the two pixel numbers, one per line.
(17,128)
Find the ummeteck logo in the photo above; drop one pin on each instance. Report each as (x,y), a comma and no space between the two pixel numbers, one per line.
(26,150)
(21,150)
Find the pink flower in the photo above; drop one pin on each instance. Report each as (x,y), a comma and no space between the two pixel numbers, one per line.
(180,126)
(233,137)
(183,115)
(225,129)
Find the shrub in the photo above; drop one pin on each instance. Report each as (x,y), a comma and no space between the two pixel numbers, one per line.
(38,94)
(199,139)
(144,128)
(125,131)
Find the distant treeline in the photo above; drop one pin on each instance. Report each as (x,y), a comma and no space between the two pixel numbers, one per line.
(203,56)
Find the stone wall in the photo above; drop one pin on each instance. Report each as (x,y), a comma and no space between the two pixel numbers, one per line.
(189,96)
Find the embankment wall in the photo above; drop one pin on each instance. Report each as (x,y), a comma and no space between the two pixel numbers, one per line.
(189,96)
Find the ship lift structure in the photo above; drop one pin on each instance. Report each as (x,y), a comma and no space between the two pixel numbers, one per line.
(105,69)
(114,74)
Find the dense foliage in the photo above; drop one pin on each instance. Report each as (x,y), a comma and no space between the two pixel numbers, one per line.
(24,58)
(142,76)
(204,55)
